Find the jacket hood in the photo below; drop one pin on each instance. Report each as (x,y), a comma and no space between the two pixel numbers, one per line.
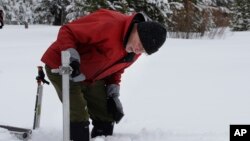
(136,18)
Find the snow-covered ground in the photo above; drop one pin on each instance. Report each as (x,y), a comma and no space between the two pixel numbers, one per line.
(191,90)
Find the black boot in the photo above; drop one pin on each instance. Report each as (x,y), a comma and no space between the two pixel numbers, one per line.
(79,131)
(102,128)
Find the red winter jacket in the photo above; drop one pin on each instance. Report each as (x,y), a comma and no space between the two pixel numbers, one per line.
(100,39)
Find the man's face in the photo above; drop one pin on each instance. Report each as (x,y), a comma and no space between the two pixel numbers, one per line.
(134,43)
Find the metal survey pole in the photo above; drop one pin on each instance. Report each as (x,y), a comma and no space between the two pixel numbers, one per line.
(38,105)
(65,70)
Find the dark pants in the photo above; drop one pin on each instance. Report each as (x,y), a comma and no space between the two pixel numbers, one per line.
(86,100)
(1,24)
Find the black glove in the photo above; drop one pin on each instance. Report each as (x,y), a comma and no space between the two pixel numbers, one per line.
(114,103)
(76,74)
(115,107)
(75,65)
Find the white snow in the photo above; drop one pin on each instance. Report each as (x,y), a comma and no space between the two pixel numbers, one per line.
(191,90)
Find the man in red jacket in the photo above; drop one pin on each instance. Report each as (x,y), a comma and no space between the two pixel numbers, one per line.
(102,45)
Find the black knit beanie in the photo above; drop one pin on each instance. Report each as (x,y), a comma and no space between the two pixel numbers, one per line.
(152,36)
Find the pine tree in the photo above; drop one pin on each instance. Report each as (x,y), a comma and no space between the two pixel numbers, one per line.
(177,15)
(74,10)
(241,15)
(42,13)
(78,8)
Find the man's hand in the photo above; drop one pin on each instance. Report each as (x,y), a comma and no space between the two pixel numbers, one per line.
(75,65)
(114,103)
(76,74)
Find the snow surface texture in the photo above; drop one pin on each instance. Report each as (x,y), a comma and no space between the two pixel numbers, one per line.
(191,90)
